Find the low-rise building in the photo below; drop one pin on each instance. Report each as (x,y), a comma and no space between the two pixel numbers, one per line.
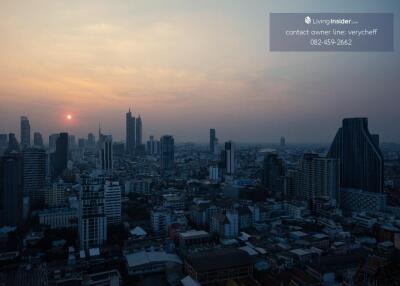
(218,266)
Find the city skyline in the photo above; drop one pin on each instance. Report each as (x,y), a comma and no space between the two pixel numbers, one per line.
(186,67)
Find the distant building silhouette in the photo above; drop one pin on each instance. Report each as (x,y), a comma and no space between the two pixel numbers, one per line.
(52,141)
(91,140)
(3,143)
(229,156)
(25,132)
(212,140)
(167,152)
(71,142)
(139,131)
(106,153)
(12,143)
(37,139)
(59,158)
(153,146)
(130,133)
(11,188)
(282,142)
(34,173)
(273,173)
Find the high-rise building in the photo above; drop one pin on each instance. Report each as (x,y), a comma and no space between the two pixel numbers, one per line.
(112,202)
(213,173)
(34,173)
(92,221)
(91,140)
(106,153)
(12,143)
(81,143)
(52,141)
(3,141)
(167,152)
(230,157)
(71,142)
(139,131)
(282,142)
(212,141)
(130,133)
(153,146)
(37,139)
(118,149)
(25,132)
(320,177)
(11,189)
(273,173)
(361,161)
(59,158)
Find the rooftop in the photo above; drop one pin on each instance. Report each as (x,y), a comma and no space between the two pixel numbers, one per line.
(218,259)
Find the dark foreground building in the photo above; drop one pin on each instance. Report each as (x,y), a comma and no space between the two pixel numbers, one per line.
(361,161)
(219,266)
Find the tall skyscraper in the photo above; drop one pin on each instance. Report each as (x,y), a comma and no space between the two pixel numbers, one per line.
(81,143)
(71,142)
(91,140)
(11,195)
(130,133)
(273,173)
(60,156)
(3,143)
(52,141)
(167,152)
(112,202)
(361,161)
(139,130)
(92,221)
(25,132)
(34,173)
(153,146)
(230,157)
(13,144)
(106,153)
(37,139)
(212,141)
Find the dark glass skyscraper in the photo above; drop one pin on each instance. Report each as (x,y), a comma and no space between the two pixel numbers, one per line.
(34,172)
(130,133)
(167,152)
(11,173)
(12,143)
(60,156)
(106,153)
(273,173)
(25,132)
(361,161)
(229,157)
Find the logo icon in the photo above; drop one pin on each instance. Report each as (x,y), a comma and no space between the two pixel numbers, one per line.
(307,20)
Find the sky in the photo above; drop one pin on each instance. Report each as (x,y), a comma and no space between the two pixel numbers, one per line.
(186,66)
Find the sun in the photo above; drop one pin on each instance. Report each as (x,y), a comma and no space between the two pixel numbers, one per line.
(69,116)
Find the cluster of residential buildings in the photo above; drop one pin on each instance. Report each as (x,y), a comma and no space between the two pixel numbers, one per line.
(111,213)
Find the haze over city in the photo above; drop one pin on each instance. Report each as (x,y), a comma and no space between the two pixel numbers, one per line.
(186,67)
